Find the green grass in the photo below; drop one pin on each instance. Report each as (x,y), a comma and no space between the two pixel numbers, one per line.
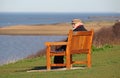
(105,64)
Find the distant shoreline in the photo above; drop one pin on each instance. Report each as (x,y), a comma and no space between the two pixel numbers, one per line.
(50,29)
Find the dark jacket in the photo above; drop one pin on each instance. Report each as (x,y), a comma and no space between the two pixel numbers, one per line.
(80,28)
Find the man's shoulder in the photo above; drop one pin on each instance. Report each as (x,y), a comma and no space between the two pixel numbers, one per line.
(80,28)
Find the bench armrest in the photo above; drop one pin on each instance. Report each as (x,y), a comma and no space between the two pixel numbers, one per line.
(55,43)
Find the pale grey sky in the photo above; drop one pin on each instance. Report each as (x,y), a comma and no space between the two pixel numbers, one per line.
(60,6)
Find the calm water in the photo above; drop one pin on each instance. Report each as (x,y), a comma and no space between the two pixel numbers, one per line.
(13,48)
(7,19)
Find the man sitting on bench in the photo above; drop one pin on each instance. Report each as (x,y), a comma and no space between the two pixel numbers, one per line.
(77,26)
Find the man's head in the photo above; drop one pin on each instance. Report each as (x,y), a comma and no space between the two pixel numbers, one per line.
(76,22)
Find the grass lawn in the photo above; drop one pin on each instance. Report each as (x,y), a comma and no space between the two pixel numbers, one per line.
(105,64)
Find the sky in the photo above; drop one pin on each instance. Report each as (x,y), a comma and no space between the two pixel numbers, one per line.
(60,6)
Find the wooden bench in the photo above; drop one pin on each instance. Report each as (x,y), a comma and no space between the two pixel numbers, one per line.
(78,43)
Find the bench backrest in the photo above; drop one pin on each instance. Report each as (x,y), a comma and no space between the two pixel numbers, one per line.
(80,40)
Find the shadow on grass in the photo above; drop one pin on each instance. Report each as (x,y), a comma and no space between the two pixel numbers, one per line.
(54,68)
(32,69)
